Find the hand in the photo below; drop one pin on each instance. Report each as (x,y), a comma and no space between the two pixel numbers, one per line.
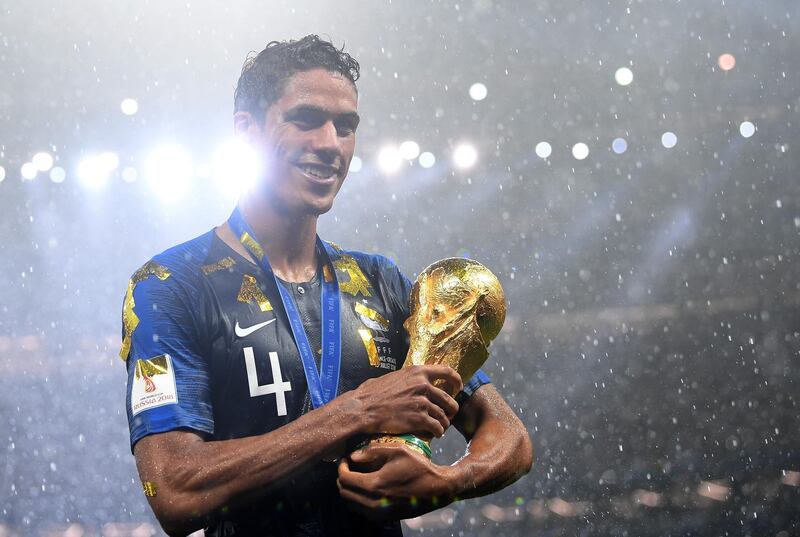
(398,482)
(407,401)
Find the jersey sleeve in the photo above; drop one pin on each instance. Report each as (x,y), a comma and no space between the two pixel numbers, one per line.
(168,376)
(400,289)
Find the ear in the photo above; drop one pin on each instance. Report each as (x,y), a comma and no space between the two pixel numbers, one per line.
(245,125)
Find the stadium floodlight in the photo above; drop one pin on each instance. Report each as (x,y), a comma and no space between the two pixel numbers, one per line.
(427,159)
(43,161)
(169,171)
(355,165)
(580,151)
(623,76)
(129,106)
(543,150)
(28,171)
(409,150)
(465,156)
(747,129)
(478,91)
(58,174)
(236,167)
(669,140)
(389,159)
(94,170)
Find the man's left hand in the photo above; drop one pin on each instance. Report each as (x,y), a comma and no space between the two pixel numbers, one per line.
(390,481)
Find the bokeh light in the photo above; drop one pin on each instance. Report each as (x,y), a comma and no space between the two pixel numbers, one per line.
(465,156)
(427,159)
(543,149)
(747,129)
(478,91)
(619,145)
(129,106)
(2,173)
(389,159)
(168,171)
(623,76)
(669,140)
(726,61)
(43,161)
(58,174)
(409,150)
(355,164)
(580,151)
(28,171)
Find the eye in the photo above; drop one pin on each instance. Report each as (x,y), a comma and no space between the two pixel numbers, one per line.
(345,128)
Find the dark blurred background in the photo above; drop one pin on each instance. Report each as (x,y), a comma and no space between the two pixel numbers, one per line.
(627,168)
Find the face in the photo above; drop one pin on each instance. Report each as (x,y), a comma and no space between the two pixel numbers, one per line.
(307,141)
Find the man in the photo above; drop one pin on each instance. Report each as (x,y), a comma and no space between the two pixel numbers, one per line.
(259,356)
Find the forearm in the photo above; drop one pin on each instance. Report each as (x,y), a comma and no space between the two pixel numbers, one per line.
(198,479)
(499,450)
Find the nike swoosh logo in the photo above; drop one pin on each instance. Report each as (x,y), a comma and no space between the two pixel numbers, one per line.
(244,332)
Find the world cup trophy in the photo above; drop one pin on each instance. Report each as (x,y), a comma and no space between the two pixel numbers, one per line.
(457,309)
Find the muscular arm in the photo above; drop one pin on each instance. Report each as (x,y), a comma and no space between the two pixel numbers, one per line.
(498,454)
(499,451)
(195,479)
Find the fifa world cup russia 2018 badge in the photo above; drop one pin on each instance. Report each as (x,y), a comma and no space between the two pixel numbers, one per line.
(153,384)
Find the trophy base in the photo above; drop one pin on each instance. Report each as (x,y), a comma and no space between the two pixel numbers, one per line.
(408,440)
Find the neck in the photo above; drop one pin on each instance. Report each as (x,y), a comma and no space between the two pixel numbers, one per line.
(288,239)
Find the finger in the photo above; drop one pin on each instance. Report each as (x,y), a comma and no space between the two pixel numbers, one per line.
(444,401)
(446,374)
(431,425)
(353,480)
(439,415)
(370,453)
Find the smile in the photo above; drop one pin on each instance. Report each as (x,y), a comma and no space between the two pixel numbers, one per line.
(319,172)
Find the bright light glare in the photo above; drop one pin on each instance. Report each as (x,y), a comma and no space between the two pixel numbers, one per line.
(168,170)
(93,171)
(619,145)
(465,156)
(355,165)
(28,171)
(669,140)
(543,150)
(409,150)
(478,91)
(623,76)
(129,106)
(2,173)
(236,167)
(747,129)
(580,151)
(58,174)
(389,159)
(129,174)
(427,159)
(43,161)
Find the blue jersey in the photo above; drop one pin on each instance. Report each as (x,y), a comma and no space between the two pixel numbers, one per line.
(208,348)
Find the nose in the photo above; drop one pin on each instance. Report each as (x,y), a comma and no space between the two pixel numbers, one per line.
(325,141)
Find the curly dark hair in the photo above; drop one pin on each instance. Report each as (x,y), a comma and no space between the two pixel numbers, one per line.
(264,75)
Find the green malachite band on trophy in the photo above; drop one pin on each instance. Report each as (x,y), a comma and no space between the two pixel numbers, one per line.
(416,443)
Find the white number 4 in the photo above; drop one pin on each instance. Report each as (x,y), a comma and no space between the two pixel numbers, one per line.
(279,386)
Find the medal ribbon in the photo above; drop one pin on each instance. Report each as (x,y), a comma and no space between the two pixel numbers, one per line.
(323,385)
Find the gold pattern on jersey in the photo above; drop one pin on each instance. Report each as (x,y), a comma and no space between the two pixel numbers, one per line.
(373,319)
(327,274)
(250,292)
(129,318)
(357,283)
(252,246)
(152,367)
(369,344)
(149,488)
(222,264)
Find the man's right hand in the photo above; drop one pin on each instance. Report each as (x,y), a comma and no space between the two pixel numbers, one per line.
(407,401)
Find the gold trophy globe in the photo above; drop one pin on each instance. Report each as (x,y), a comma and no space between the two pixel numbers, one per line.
(457,309)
